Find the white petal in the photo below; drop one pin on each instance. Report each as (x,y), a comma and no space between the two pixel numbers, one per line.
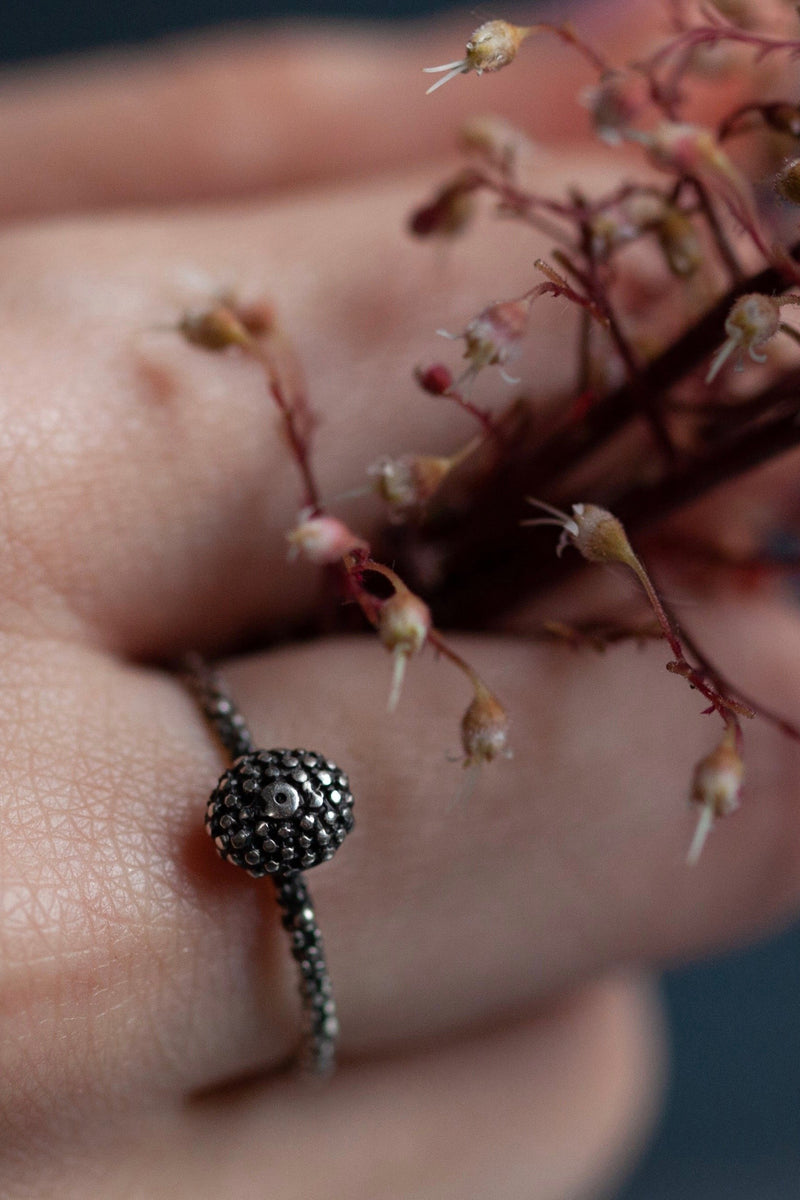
(462,62)
(459,69)
(721,357)
(704,825)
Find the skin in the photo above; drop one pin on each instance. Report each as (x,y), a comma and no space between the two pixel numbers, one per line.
(499,1037)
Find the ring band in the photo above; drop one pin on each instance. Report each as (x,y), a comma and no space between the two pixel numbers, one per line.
(277,813)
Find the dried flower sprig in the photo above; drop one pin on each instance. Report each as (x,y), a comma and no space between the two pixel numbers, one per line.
(402,620)
(600,538)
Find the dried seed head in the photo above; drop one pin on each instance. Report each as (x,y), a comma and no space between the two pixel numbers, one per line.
(493,45)
(752,321)
(484,728)
(716,785)
(787,181)
(323,539)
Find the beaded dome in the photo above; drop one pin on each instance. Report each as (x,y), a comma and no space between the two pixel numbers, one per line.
(276,812)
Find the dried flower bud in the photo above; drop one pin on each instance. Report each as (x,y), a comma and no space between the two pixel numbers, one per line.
(610,230)
(679,242)
(448,214)
(411,480)
(404,622)
(323,539)
(494,139)
(752,321)
(645,210)
(693,150)
(787,181)
(484,728)
(493,45)
(599,536)
(683,147)
(494,337)
(436,380)
(716,785)
(615,103)
(593,531)
(214,329)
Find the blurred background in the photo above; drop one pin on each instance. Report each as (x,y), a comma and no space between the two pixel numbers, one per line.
(42,27)
(731,1126)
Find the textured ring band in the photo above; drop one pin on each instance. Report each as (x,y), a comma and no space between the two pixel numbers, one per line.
(277,813)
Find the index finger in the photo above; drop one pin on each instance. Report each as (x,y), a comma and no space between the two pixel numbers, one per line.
(242,114)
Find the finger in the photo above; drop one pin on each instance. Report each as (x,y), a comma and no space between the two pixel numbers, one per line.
(243,114)
(544,1111)
(168,965)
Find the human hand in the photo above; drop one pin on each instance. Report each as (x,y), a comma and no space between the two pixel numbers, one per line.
(496,1039)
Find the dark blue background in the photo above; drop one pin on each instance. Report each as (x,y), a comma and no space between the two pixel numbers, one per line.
(37,27)
(732,1124)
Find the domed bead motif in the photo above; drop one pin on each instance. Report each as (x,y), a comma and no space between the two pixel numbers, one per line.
(276,812)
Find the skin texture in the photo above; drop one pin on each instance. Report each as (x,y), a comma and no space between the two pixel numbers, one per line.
(498,1039)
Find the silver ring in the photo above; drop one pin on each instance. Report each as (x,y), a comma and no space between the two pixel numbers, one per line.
(277,813)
